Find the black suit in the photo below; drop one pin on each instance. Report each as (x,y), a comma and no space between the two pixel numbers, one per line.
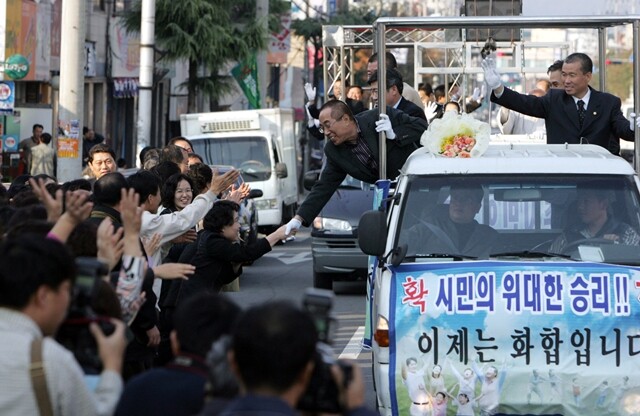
(340,160)
(411,109)
(603,124)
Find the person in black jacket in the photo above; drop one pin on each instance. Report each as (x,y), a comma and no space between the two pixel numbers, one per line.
(353,149)
(393,94)
(576,114)
(218,257)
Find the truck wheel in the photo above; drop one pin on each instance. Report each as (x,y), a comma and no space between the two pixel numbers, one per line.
(322,281)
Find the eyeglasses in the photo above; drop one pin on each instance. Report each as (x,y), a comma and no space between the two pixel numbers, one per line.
(328,125)
(184,191)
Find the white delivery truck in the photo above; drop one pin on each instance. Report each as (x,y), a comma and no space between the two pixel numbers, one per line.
(261,143)
(522,308)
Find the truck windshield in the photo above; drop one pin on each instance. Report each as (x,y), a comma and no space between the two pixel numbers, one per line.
(581,216)
(250,154)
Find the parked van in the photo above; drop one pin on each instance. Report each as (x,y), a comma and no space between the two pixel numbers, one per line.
(261,143)
(507,283)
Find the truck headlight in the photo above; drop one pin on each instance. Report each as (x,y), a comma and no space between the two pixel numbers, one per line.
(331,224)
(271,203)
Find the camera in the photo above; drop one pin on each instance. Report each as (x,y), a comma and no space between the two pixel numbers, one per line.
(74,332)
(322,394)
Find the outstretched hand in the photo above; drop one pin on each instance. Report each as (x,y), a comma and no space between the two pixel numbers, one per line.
(431,111)
(237,195)
(310,90)
(292,227)
(53,205)
(220,183)
(77,205)
(110,243)
(491,74)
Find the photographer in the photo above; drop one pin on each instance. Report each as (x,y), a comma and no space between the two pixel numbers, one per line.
(34,298)
(273,354)
(178,388)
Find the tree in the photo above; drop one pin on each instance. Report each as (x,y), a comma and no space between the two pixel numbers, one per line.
(207,34)
(619,73)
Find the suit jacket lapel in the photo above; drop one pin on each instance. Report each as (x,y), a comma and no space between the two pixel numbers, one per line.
(593,109)
(571,110)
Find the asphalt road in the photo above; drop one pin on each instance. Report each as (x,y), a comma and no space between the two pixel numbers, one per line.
(285,273)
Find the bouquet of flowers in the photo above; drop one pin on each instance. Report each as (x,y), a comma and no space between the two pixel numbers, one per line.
(457,135)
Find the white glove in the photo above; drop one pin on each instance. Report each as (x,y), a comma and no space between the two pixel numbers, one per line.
(476,95)
(431,111)
(633,122)
(310,90)
(310,120)
(384,124)
(491,74)
(293,225)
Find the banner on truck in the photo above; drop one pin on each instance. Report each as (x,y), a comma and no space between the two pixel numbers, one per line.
(484,337)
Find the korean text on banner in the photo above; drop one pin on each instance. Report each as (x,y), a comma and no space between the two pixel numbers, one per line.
(515,338)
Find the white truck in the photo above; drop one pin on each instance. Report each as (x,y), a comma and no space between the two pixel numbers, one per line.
(525,309)
(261,144)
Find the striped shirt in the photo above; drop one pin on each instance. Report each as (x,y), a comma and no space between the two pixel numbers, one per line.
(364,154)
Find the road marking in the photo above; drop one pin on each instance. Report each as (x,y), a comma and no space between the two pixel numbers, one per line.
(353,348)
(283,257)
(298,258)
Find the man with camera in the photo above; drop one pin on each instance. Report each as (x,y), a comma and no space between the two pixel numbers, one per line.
(39,376)
(178,388)
(273,357)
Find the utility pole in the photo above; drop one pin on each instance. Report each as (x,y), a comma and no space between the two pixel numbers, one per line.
(307,78)
(262,14)
(147,41)
(70,114)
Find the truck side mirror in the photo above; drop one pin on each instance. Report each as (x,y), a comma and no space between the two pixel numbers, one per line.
(281,170)
(310,178)
(255,193)
(372,233)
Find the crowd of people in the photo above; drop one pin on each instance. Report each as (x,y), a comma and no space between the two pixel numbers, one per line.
(110,288)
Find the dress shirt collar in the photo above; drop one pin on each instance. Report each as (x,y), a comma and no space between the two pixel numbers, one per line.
(397,104)
(585,99)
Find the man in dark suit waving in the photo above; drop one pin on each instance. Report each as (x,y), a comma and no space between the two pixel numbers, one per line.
(576,114)
(393,94)
(352,149)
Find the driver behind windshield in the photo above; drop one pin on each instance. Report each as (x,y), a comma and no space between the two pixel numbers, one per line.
(593,208)
(452,229)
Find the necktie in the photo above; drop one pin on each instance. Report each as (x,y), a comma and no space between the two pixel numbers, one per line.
(581,112)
